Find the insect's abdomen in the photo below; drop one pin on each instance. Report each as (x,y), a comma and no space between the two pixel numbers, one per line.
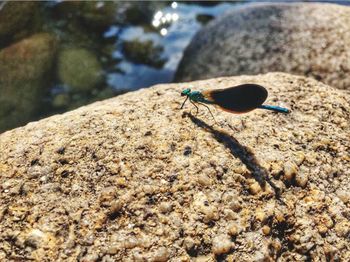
(239,99)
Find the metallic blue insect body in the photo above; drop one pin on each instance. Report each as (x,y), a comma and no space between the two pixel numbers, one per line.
(237,99)
(275,108)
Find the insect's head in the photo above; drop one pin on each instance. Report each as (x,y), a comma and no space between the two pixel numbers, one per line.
(186,92)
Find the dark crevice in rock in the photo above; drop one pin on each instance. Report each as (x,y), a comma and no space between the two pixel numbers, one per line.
(199,250)
(61,150)
(282,231)
(187,151)
(221,258)
(34,162)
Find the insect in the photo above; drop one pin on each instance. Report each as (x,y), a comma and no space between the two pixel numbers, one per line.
(236,99)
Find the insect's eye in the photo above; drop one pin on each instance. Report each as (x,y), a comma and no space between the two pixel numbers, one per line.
(182,94)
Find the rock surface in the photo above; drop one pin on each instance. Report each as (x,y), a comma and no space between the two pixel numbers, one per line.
(135,178)
(24,77)
(310,39)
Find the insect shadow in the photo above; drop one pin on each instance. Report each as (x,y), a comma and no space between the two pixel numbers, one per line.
(241,152)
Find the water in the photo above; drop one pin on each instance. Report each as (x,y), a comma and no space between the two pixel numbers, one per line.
(178,35)
(56,56)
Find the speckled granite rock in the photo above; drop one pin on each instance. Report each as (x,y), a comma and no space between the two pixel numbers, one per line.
(310,39)
(135,177)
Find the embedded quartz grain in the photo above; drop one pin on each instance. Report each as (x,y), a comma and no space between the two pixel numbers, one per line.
(309,39)
(221,244)
(135,178)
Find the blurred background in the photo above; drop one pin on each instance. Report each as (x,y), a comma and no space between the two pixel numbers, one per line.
(56,56)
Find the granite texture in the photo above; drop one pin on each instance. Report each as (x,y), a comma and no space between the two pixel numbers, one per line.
(134,178)
(309,39)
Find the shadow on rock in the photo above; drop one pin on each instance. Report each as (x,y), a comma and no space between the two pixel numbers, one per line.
(247,157)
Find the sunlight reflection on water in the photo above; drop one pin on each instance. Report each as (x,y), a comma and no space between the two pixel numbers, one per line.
(178,26)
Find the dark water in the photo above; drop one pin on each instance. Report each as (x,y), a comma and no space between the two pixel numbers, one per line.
(182,21)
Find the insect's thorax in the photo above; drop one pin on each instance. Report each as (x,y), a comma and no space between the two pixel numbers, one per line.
(197,96)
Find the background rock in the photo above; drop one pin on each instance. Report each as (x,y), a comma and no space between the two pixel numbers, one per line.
(14,17)
(24,68)
(134,177)
(144,52)
(79,69)
(309,39)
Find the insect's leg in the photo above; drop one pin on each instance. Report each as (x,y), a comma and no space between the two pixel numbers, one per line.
(209,111)
(184,103)
(195,106)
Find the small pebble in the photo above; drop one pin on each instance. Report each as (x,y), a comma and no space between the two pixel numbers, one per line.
(107,195)
(121,181)
(260,216)
(235,205)
(189,243)
(138,256)
(35,238)
(116,206)
(233,230)
(203,180)
(275,169)
(221,245)
(89,239)
(8,184)
(326,221)
(343,195)
(342,228)
(330,250)
(299,158)
(90,258)
(146,242)
(113,249)
(131,242)
(210,213)
(301,179)
(240,170)
(148,189)
(254,188)
(290,170)
(279,217)
(229,214)
(161,255)
(276,244)
(165,207)
(266,230)
(322,229)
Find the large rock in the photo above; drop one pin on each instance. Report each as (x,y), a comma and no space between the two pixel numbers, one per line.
(14,17)
(135,177)
(309,39)
(24,78)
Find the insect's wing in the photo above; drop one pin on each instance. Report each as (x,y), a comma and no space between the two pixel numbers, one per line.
(237,99)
